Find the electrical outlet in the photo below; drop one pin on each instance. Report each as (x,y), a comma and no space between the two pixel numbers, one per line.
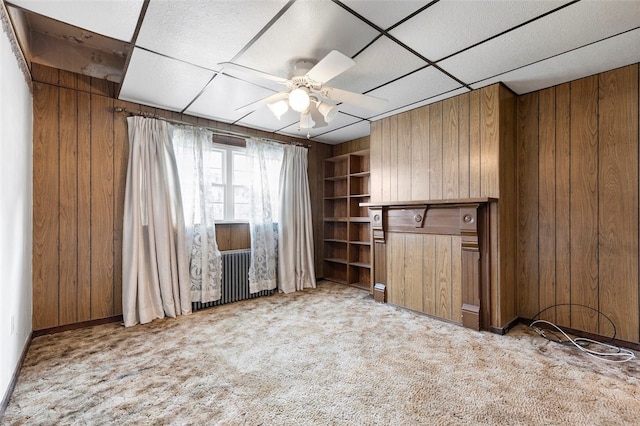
(13,324)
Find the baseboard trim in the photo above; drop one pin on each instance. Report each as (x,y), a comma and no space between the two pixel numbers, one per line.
(77,325)
(14,377)
(503,330)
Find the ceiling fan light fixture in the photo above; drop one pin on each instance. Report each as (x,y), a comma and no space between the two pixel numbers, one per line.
(328,111)
(278,108)
(306,122)
(299,99)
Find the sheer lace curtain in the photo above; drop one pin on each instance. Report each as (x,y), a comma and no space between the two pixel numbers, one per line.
(155,274)
(263,192)
(295,228)
(199,194)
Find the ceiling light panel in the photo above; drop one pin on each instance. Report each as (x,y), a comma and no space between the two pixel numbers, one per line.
(378,64)
(223,96)
(204,33)
(572,27)
(162,82)
(413,88)
(308,29)
(595,58)
(450,26)
(385,13)
(112,18)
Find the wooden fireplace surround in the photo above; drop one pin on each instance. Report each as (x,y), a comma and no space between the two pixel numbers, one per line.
(467,218)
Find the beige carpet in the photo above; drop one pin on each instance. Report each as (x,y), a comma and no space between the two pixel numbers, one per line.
(330,356)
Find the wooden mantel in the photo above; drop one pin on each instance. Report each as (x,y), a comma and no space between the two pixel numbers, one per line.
(467,218)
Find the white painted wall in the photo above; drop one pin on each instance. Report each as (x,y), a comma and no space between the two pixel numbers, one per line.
(16,165)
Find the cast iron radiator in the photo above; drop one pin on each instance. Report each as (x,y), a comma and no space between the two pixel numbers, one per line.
(235,280)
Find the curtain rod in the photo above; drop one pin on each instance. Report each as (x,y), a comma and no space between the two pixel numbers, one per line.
(219,132)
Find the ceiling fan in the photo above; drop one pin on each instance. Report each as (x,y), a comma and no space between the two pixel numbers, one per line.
(304,91)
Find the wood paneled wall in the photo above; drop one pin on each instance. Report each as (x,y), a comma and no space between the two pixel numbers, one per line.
(462,147)
(80,161)
(578,150)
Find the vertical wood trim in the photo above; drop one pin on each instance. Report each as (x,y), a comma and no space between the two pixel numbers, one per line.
(376,161)
(120,161)
(84,206)
(45,202)
(420,153)
(68,207)
(456,279)
(435,151)
(450,149)
(563,206)
(102,216)
(443,273)
(584,202)
(618,198)
(489,141)
(474,144)
(386,159)
(404,160)
(429,274)
(463,146)
(546,206)
(527,254)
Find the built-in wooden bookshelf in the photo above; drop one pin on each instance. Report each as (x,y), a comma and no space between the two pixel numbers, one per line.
(347,230)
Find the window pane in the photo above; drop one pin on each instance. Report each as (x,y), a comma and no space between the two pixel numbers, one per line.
(218,211)
(241,211)
(216,192)
(241,194)
(240,169)
(214,166)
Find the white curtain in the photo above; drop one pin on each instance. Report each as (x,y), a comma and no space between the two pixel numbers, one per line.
(295,229)
(155,274)
(263,268)
(200,190)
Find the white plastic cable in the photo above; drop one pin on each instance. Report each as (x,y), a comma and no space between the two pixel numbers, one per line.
(618,354)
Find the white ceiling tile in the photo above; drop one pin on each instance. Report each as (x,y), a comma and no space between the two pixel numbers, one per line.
(447,95)
(452,25)
(113,18)
(574,26)
(223,96)
(263,119)
(354,131)
(385,13)
(378,64)
(204,32)
(595,58)
(416,87)
(308,29)
(162,82)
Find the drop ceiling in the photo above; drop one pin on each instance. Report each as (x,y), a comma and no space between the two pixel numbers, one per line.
(168,54)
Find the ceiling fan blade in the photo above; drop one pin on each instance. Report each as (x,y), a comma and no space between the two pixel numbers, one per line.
(269,99)
(352,98)
(251,75)
(330,66)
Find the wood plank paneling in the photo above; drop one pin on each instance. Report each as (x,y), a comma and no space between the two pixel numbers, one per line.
(584,202)
(429,274)
(393,157)
(456,279)
(404,156)
(45,202)
(546,202)
(419,153)
(527,257)
(102,210)
(618,201)
(395,268)
(120,161)
(475,155)
(413,272)
(435,151)
(463,146)
(450,149)
(563,207)
(68,207)
(84,206)
(489,140)
(387,166)
(376,161)
(443,275)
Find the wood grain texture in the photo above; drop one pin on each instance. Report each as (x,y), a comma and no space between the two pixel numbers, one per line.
(489,141)
(45,202)
(563,206)
(68,207)
(395,268)
(404,156)
(456,279)
(435,151)
(387,166)
(443,276)
(450,149)
(102,209)
(419,153)
(546,202)
(84,206)
(376,161)
(120,161)
(584,202)
(463,146)
(413,279)
(429,274)
(618,200)
(527,257)
(475,154)
(393,157)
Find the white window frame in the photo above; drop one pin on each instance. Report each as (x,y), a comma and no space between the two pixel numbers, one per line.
(227,170)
